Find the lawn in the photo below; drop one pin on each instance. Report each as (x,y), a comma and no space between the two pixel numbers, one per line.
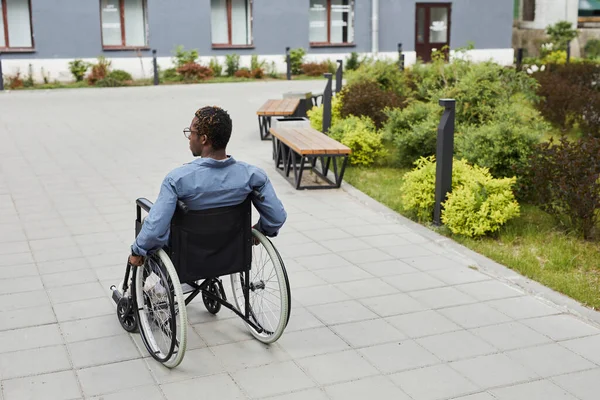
(532,244)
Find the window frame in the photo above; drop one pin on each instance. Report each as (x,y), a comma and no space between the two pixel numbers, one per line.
(122,22)
(328,43)
(229,45)
(6,48)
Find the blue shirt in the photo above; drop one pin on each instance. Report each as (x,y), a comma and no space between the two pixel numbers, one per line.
(208,183)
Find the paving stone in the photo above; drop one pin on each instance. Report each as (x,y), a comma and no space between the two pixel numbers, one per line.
(368,333)
(434,262)
(22,318)
(414,282)
(18,301)
(347,273)
(388,240)
(458,275)
(342,312)
(312,394)
(474,315)
(326,234)
(538,390)
(103,351)
(322,261)
(47,359)
(366,288)
(91,328)
(407,251)
(587,347)
(550,360)
(523,307)
(301,319)
(69,278)
(30,338)
(488,290)
(345,245)
(387,268)
(197,363)
(84,309)
(398,356)
(424,323)
(583,385)
(379,387)
(312,296)
(272,379)
(394,304)
(442,297)
(249,353)
(337,367)
(58,386)
(493,371)
(311,342)
(222,331)
(146,392)
(510,336)
(433,383)
(114,377)
(25,270)
(454,346)
(561,327)
(365,255)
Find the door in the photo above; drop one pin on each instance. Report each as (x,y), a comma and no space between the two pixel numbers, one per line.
(432,28)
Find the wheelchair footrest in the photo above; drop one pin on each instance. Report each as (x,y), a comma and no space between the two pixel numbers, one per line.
(186,288)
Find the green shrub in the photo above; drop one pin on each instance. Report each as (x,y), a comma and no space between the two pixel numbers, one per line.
(360,134)
(504,145)
(315,115)
(367,98)
(99,70)
(120,75)
(232,64)
(171,75)
(384,73)
(272,70)
(352,62)
(477,204)
(480,207)
(592,49)
(413,131)
(258,73)
(315,69)
(183,57)
(561,33)
(216,66)
(109,82)
(256,64)
(564,180)
(78,68)
(193,72)
(296,60)
(243,73)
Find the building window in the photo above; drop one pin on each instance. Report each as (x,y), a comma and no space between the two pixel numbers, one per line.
(529,10)
(15,24)
(331,22)
(231,22)
(123,23)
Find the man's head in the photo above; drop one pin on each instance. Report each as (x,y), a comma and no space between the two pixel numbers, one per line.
(210,131)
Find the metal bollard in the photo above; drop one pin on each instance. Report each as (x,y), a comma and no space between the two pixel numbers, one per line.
(155,65)
(339,76)
(400,57)
(444,154)
(568,53)
(327,104)
(288,61)
(519,58)
(1,78)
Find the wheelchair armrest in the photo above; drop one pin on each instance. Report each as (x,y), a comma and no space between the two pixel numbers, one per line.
(257,195)
(144,203)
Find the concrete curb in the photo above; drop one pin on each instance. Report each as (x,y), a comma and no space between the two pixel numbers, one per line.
(486,265)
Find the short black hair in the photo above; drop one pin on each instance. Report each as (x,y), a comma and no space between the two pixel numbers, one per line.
(215,123)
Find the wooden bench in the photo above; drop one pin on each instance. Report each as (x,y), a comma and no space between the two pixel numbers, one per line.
(274,108)
(299,149)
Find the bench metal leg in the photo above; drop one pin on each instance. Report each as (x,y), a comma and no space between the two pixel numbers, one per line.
(264,124)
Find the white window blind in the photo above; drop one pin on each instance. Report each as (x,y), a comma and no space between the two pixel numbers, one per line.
(240,15)
(19,23)
(135,24)
(111,23)
(2,38)
(318,21)
(218,19)
(438,31)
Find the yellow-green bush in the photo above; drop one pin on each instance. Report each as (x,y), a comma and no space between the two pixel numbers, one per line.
(315,115)
(360,134)
(477,205)
(478,208)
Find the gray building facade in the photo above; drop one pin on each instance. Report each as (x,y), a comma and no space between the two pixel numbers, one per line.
(120,29)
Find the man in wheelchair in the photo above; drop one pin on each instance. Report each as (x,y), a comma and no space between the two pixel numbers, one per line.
(198,230)
(213,180)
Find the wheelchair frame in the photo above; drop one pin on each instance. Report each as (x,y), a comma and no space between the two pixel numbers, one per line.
(247,316)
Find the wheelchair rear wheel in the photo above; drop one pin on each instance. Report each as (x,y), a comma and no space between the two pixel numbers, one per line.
(268,290)
(161,309)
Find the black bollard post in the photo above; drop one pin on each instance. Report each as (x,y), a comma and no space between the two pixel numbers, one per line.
(155,65)
(288,61)
(444,154)
(519,58)
(400,57)
(339,76)
(1,78)
(568,53)
(327,104)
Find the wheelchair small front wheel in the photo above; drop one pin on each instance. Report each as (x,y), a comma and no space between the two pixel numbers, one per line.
(212,306)
(268,289)
(160,306)
(126,314)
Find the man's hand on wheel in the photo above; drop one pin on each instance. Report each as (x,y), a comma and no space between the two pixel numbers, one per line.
(136,261)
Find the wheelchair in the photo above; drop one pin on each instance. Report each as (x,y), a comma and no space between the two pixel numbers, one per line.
(203,247)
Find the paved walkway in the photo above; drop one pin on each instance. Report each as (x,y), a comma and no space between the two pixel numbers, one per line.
(382,309)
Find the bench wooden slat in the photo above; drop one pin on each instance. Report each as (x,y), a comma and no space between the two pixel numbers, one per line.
(282,107)
(322,141)
(309,141)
